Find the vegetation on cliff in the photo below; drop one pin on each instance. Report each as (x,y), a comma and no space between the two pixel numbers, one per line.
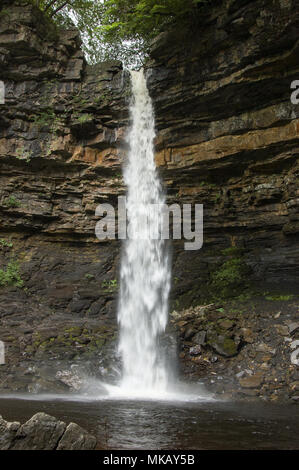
(119,29)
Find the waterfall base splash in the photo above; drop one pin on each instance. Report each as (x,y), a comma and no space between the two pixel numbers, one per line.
(178,392)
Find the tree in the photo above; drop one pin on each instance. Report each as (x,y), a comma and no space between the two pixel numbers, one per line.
(119,29)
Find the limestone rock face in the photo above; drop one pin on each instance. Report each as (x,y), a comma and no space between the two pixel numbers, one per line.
(228,133)
(62,130)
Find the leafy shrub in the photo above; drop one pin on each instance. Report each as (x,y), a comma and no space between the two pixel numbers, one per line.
(230,275)
(109,286)
(4,243)
(11,201)
(11,275)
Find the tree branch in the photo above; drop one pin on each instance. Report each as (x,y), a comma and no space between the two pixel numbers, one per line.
(59,8)
(50,4)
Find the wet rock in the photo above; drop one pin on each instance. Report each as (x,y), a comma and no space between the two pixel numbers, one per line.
(282,330)
(265,348)
(73,381)
(195,350)
(240,374)
(293,327)
(8,433)
(44,432)
(224,346)
(226,324)
(189,333)
(41,432)
(200,338)
(76,438)
(247,335)
(252,381)
(250,392)
(295,354)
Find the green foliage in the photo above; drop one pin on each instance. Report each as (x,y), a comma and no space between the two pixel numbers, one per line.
(89,276)
(231,275)
(136,22)
(11,201)
(119,29)
(46,118)
(228,273)
(84,118)
(283,297)
(5,243)
(11,275)
(4,12)
(232,250)
(23,154)
(109,286)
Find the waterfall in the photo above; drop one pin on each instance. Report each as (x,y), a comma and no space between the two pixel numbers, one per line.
(145,270)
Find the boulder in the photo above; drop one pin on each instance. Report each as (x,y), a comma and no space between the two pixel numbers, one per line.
(41,432)
(225,346)
(195,350)
(8,433)
(253,381)
(76,438)
(200,338)
(44,432)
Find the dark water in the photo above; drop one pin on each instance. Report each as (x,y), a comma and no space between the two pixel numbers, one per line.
(164,425)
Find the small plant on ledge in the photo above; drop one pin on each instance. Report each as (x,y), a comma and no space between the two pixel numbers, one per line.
(109,286)
(5,243)
(11,275)
(11,201)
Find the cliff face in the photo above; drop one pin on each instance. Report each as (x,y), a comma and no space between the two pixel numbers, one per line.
(227,137)
(228,133)
(60,148)
(61,144)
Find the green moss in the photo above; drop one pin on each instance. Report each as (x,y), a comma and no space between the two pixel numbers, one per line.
(109,286)
(11,201)
(217,197)
(47,118)
(232,250)
(23,154)
(89,276)
(5,243)
(81,119)
(230,347)
(11,275)
(231,275)
(100,342)
(279,297)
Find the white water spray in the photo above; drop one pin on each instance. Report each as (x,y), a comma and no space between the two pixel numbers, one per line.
(145,271)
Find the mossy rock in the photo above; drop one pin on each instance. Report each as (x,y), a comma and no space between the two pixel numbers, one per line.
(225,346)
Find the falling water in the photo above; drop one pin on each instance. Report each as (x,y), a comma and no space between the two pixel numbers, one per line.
(145,270)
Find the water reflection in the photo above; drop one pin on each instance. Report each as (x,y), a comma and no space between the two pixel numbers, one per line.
(154,425)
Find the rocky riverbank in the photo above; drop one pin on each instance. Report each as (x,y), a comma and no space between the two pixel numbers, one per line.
(44,432)
(242,349)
